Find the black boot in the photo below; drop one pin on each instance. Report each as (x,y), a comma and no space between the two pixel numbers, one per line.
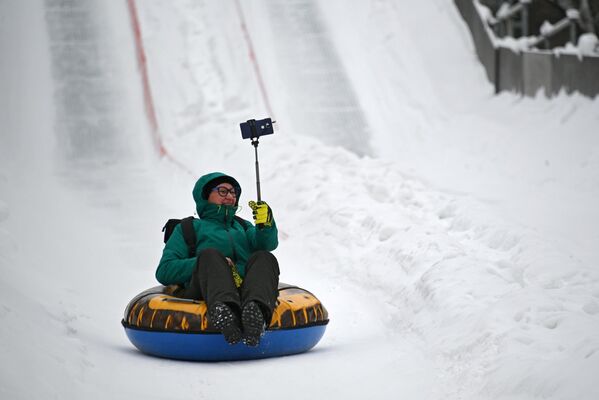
(253,324)
(260,284)
(225,320)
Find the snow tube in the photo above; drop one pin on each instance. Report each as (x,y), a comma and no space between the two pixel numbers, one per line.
(161,324)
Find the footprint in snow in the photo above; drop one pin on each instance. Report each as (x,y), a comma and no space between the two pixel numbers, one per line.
(379,193)
(449,211)
(591,308)
(386,233)
(4,212)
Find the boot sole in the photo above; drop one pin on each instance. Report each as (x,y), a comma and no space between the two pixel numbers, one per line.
(252,321)
(223,319)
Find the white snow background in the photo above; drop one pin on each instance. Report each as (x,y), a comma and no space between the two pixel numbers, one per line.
(451,233)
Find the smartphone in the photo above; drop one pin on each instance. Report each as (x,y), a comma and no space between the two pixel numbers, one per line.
(255,128)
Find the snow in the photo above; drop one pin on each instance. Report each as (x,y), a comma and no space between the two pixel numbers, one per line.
(573,13)
(455,249)
(546,28)
(588,44)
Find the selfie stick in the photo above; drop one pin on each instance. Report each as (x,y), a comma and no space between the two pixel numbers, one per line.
(255,143)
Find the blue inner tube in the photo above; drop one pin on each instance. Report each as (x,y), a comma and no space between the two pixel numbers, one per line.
(213,347)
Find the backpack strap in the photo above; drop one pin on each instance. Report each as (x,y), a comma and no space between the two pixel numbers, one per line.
(189,234)
(245,224)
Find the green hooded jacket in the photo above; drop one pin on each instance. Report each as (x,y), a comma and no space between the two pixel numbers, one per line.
(216,228)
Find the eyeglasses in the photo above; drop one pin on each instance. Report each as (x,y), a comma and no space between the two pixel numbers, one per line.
(223,191)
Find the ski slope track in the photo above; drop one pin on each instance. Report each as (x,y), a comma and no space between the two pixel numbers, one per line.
(450,233)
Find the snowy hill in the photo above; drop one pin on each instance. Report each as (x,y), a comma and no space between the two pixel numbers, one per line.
(451,233)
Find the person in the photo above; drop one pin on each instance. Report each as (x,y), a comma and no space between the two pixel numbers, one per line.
(233,271)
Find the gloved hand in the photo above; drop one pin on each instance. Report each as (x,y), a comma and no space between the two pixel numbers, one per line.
(262,213)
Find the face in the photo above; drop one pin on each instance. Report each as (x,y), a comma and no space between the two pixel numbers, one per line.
(217,198)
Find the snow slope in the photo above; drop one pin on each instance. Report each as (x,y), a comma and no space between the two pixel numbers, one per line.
(456,258)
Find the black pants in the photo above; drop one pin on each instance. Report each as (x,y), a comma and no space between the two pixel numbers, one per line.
(212,281)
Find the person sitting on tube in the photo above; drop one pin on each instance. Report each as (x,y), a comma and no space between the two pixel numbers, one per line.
(233,269)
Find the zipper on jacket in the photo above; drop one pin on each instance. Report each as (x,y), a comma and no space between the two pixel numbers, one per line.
(230,239)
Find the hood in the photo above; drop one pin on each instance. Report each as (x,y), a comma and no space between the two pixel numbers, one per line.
(208,181)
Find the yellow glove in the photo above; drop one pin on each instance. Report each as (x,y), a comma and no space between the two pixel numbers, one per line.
(262,213)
